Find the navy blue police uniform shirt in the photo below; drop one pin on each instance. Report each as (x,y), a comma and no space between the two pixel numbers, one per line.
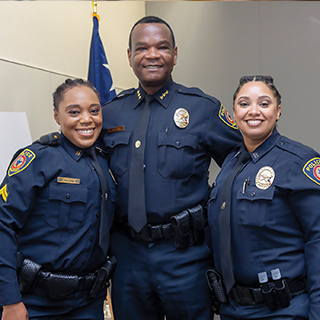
(186,128)
(275,218)
(50,211)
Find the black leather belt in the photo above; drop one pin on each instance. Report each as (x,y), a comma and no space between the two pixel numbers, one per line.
(70,283)
(247,296)
(149,233)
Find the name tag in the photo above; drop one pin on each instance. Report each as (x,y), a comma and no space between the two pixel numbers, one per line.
(68,180)
(116,129)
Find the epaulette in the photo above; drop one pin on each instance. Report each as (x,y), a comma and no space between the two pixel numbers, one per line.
(49,139)
(126,92)
(195,92)
(295,147)
(122,94)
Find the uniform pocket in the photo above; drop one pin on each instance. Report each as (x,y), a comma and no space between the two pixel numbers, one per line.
(176,153)
(67,205)
(117,145)
(254,206)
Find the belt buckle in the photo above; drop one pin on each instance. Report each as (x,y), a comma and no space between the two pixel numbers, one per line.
(144,234)
(245,296)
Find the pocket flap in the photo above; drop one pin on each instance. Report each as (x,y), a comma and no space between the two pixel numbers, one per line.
(117,138)
(178,140)
(68,193)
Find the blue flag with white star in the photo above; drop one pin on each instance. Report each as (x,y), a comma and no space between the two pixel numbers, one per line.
(99,73)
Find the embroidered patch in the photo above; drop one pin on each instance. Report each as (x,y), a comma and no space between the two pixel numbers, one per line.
(4,193)
(21,162)
(264,178)
(312,170)
(226,118)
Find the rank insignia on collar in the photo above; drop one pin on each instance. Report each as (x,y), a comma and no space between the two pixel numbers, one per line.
(312,170)
(139,94)
(264,178)
(226,118)
(4,193)
(164,94)
(21,162)
(181,118)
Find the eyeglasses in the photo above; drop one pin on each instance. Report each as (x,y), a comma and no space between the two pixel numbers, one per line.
(266,79)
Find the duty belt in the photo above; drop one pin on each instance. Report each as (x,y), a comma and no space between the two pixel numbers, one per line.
(58,286)
(149,233)
(247,296)
(186,228)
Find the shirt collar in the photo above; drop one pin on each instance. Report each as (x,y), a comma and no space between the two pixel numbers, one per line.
(163,95)
(74,151)
(264,148)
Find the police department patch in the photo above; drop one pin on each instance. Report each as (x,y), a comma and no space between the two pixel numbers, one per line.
(226,118)
(21,162)
(264,178)
(312,170)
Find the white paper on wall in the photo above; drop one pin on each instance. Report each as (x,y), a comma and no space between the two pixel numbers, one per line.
(14,134)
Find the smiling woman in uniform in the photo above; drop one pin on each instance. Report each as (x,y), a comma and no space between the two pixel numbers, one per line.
(264,215)
(56,197)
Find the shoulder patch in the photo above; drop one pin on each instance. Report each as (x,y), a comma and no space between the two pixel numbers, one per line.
(312,170)
(226,118)
(4,193)
(21,162)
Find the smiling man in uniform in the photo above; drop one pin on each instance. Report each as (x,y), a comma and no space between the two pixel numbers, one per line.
(160,138)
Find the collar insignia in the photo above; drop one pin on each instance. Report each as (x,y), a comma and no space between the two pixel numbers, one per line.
(164,94)
(139,94)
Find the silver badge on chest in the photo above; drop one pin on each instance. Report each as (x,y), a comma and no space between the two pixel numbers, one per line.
(265,178)
(181,118)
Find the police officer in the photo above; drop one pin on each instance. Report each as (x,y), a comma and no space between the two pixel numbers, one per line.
(158,239)
(51,204)
(274,218)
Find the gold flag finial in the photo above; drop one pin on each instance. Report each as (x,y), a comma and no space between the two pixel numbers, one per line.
(94,6)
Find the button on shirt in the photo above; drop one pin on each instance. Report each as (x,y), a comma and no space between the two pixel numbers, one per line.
(176,158)
(275,220)
(50,211)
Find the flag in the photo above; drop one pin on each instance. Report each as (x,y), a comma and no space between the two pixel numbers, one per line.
(99,73)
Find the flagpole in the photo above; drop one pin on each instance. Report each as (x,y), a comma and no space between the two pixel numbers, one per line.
(94,6)
(95,10)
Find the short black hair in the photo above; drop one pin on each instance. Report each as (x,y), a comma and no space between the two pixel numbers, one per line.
(151,19)
(59,93)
